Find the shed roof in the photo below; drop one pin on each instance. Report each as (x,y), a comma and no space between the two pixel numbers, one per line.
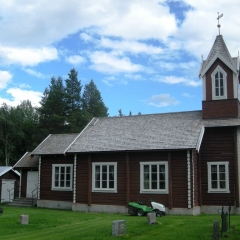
(27,161)
(5,169)
(55,144)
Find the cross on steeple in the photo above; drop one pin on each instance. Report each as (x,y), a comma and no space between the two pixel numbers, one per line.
(218,22)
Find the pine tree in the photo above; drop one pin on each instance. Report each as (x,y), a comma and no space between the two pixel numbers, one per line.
(53,108)
(93,104)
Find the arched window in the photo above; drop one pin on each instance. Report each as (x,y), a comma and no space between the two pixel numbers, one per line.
(219,85)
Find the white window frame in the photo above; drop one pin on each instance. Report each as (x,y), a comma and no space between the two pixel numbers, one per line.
(153,191)
(102,189)
(224,96)
(59,188)
(218,189)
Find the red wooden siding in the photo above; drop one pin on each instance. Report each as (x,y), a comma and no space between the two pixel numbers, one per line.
(217,145)
(177,197)
(24,183)
(118,198)
(220,108)
(46,178)
(179,179)
(195,178)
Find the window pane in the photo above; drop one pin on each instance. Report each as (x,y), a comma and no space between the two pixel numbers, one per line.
(97,169)
(222,176)
(154,185)
(216,82)
(111,184)
(221,168)
(162,176)
(213,168)
(214,176)
(214,184)
(104,169)
(154,176)
(162,185)
(146,168)
(61,183)
(97,184)
(154,168)
(67,183)
(104,184)
(222,184)
(162,168)
(104,176)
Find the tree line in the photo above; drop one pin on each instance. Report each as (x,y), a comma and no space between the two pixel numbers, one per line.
(64,108)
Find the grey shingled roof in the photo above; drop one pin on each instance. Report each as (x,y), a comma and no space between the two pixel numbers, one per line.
(27,161)
(219,50)
(165,131)
(228,122)
(142,132)
(5,169)
(55,144)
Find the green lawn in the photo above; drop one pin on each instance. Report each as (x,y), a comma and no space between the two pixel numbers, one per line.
(59,224)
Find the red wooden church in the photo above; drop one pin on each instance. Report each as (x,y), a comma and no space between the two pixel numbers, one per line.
(188,161)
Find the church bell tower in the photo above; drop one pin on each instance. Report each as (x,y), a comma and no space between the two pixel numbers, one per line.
(220,80)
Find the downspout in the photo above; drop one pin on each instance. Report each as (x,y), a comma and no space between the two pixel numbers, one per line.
(74,178)
(189,179)
(193,200)
(20,187)
(39,177)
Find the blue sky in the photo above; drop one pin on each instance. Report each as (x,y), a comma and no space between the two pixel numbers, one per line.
(143,55)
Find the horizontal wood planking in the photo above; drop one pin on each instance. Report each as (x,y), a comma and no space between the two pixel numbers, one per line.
(217,145)
(46,193)
(220,108)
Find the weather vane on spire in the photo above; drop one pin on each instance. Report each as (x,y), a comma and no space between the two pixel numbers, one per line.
(218,22)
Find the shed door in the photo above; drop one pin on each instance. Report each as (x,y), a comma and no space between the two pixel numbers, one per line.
(7,186)
(32,184)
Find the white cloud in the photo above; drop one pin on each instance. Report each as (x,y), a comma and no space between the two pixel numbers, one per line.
(130,46)
(5,78)
(35,73)
(179,80)
(75,59)
(187,95)
(18,95)
(38,23)
(162,100)
(27,56)
(86,37)
(111,63)
(200,26)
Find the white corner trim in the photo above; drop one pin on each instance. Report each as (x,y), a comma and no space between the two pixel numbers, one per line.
(200,137)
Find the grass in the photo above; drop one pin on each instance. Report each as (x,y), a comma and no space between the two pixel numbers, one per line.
(59,224)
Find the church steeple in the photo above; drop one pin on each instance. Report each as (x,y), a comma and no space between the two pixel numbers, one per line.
(219,73)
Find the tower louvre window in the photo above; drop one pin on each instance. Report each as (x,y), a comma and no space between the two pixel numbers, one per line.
(219,84)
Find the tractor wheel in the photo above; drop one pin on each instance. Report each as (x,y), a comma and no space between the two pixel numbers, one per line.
(140,212)
(159,213)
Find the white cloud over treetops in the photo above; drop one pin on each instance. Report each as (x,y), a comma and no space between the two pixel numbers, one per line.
(162,100)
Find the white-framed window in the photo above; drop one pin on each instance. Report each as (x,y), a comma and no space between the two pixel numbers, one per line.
(104,177)
(154,177)
(62,177)
(218,177)
(219,84)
